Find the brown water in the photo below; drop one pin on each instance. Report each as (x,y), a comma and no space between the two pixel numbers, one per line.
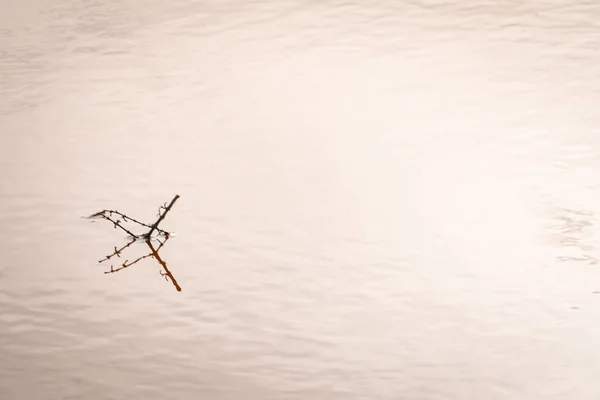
(379,200)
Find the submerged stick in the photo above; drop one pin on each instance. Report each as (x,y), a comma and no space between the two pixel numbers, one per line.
(161,262)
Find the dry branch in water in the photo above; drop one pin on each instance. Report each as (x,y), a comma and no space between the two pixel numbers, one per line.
(116,217)
(162,213)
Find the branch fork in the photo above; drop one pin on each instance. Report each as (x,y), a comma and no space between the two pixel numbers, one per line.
(146,237)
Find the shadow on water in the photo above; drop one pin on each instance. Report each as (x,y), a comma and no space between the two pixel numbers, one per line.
(118,219)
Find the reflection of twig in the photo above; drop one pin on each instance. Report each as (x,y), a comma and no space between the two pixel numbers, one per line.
(153,253)
(127,263)
(164,264)
(117,252)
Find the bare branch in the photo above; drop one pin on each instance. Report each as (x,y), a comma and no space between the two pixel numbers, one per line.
(117,223)
(162,216)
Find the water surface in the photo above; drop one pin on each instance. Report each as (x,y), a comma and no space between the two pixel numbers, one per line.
(385,200)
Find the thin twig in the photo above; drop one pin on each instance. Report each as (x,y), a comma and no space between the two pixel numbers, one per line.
(125,217)
(162,216)
(118,224)
(107,214)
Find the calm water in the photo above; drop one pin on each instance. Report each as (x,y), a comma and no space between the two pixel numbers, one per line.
(379,200)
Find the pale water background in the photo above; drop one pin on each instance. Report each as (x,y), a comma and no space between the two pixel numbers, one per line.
(379,199)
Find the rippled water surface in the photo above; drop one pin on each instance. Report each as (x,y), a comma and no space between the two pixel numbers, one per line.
(379,200)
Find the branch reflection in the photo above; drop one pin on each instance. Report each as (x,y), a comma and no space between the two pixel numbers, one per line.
(167,274)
